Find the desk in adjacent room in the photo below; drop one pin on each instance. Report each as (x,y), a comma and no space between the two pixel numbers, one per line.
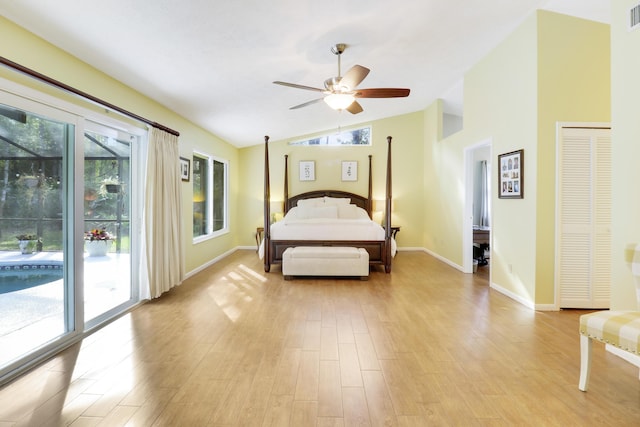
(481,237)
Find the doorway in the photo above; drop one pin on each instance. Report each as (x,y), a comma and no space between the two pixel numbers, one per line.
(477,220)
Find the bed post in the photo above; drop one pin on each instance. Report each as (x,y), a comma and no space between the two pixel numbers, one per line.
(370,195)
(387,212)
(286,184)
(267,202)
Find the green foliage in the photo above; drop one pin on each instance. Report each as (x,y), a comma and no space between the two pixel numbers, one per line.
(32,181)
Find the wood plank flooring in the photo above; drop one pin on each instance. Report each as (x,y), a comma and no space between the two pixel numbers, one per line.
(234,346)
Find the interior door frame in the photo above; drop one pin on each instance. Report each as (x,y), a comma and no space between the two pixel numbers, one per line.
(467,223)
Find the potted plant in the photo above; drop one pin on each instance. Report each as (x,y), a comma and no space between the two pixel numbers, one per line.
(111,185)
(97,242)
(25,243)
(30,181)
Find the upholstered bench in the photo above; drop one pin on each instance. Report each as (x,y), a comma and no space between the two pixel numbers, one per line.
(620,329)
(325,261)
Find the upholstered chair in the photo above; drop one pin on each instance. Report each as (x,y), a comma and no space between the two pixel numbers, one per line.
(620,329)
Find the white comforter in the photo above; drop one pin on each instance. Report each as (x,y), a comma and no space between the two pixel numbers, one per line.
(293,227)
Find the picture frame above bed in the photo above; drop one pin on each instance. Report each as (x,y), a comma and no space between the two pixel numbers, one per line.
(350,171)
(307,170)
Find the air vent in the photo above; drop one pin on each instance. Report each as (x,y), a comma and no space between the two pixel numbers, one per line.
(634,17)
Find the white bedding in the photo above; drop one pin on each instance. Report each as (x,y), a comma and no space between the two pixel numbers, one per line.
(345,222)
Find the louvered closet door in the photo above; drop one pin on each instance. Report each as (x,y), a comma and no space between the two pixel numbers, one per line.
(584,218)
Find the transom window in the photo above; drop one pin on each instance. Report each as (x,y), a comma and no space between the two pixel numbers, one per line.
(360,136)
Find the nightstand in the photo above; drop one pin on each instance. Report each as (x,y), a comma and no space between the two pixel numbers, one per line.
(259,233)
(395,229)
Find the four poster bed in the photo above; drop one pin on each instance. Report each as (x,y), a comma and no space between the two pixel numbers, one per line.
(327,218)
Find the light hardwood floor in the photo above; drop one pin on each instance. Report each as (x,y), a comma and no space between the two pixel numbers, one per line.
(234,346)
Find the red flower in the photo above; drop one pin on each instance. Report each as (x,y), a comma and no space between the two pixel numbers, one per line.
(97,234)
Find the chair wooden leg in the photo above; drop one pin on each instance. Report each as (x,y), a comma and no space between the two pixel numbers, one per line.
(585,362)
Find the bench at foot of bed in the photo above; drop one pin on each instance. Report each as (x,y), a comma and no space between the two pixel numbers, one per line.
(325,261)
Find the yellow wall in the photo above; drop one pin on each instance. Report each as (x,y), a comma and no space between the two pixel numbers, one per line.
(35,53)
(499,104)
(552,68)
(407,170)
(573,86)
(625,93)
(514,96)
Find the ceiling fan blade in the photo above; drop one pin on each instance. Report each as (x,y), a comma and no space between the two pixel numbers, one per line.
(354,76)
(354,108)
(381,92)
(295,107)
(296,86)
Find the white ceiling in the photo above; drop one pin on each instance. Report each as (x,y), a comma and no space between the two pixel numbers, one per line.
(214,62)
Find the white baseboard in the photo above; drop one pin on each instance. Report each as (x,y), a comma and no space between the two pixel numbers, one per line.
(546,307)
(445,260)
(513,296)
(214,260)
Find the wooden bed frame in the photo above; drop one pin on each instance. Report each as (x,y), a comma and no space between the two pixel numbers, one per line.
(379,250)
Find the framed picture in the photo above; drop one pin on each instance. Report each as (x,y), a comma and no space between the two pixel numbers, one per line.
(307,171)
(350,171)
(511,175)
(185,169)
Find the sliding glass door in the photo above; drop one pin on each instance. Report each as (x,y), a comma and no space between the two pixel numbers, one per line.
(67,191)
(36,186)
(107,219)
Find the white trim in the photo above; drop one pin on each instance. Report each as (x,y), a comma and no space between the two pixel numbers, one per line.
(467,219)
(215,260)
(210,159)
(445,260)
(518,298)
(546,307)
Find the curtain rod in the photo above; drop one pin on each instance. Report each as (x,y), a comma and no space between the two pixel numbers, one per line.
(77,92)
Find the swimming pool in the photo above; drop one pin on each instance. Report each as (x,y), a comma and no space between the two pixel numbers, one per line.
(19,277)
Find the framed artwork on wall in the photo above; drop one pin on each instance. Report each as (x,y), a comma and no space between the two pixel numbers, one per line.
(511,175)
(350,171)
(307,170)
(185,169)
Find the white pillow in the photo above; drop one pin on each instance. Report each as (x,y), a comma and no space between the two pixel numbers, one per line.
(336,200)
(318,201)
(292,213)
(351,212)
(318,212)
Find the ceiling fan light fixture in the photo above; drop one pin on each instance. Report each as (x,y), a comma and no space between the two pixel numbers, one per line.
(339,101)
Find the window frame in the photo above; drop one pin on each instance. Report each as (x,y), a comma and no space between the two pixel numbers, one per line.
(209,232)
(339,139)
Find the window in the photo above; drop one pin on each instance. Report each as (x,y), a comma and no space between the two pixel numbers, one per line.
(209,196)
(361,136)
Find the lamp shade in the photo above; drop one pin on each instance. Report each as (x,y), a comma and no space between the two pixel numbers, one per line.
(339,101)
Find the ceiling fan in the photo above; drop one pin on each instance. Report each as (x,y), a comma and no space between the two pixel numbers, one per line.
(341,92)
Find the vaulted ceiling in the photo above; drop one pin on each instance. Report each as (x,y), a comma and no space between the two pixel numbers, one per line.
(214,62)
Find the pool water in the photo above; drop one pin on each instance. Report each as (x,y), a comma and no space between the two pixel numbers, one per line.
(17,279)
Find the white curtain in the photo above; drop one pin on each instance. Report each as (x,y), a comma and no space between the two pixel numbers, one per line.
(484,195)
(163,214)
